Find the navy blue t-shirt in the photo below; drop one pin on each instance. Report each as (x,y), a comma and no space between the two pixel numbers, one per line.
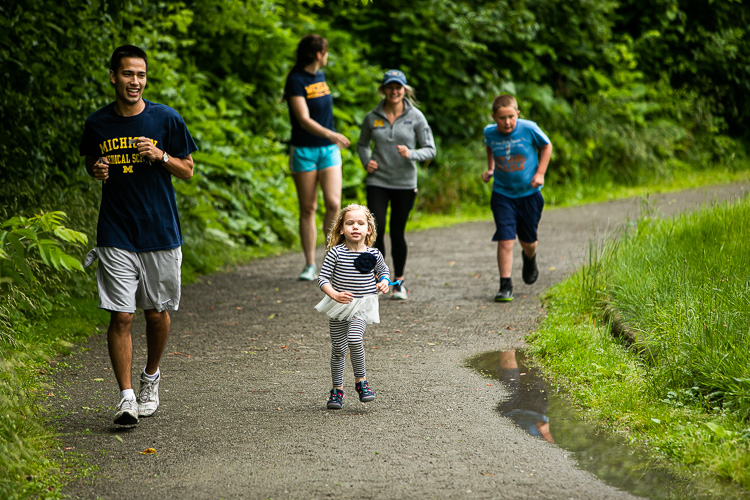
(138,210)
(319,102)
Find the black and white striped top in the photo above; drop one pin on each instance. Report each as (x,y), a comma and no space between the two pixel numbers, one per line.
(338,270)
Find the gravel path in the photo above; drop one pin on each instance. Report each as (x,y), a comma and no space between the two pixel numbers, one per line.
(246,375)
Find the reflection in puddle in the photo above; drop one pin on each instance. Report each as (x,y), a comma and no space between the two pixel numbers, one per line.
(528,403)
(549,416)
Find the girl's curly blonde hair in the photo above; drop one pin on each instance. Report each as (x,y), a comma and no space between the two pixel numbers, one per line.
(336,237)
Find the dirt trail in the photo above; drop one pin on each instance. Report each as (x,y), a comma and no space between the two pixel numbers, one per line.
(246,376)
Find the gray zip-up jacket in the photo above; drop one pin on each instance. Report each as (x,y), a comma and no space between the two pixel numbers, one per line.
(409,129)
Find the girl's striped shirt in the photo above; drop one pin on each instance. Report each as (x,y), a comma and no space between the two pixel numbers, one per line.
(338,270)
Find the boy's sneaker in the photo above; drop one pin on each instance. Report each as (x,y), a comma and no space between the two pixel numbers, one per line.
(309,273)
(148,396)
(336,399)
(126,412)
(529,272)
(400,292)
(505,294)
(364,391)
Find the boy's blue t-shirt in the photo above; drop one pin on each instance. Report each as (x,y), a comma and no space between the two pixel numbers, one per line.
(516,158)
(138,210)
(319,103)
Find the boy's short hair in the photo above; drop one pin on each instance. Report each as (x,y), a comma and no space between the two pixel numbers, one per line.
(124,51)
(503,101)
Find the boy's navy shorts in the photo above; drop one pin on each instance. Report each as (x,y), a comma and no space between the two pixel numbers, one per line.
(517,216)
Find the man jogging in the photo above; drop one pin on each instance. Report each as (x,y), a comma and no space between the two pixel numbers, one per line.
(134,147)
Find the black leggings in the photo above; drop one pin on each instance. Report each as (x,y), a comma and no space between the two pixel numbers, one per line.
(402,201)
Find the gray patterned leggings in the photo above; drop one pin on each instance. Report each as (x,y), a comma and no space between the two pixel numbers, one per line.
(347,335)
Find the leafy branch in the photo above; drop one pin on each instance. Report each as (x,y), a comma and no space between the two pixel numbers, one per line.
(25,241)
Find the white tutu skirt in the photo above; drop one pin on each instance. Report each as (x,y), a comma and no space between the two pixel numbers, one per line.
(364,307)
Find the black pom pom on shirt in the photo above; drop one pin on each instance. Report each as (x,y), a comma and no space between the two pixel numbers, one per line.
(365,263)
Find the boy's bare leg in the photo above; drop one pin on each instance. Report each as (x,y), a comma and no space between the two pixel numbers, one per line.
(505,257)
(528,248)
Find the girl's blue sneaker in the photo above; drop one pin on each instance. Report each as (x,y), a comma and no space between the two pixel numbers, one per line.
(365,393)
(336,399)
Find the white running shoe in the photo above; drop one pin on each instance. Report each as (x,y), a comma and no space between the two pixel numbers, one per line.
(148,396)
(126,412)
(309,273)
(400,292)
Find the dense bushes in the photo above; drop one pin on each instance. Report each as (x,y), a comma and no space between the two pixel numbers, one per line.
(583,70)
(577,68)
(699,45)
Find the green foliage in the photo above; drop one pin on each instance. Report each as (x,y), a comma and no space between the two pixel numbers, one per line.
(454,183)
(42,52)
(20,236)
(28,248)
(612,115)
(22,435)
(609,119)
(455,79)
(698,45)
(633,134)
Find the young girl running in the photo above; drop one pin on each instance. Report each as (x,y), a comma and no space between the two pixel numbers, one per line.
(351,277)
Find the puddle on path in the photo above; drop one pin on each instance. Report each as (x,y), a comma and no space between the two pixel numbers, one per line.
(549,416)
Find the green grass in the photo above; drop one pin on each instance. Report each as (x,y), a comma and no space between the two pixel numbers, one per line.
(652,335)
(29,453)
(28,445)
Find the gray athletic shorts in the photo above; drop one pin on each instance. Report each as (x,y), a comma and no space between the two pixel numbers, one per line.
(129,280)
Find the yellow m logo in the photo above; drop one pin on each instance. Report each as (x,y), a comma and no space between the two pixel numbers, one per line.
(127,169)
(378,123)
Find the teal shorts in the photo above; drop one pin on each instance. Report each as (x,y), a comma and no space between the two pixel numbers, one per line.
(314,158)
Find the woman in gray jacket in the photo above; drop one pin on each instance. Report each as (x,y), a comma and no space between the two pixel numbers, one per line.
(388,150)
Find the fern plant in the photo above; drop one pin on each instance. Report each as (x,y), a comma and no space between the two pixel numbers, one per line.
(28,247)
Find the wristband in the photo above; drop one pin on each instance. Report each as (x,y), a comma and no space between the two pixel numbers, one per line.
(394,283)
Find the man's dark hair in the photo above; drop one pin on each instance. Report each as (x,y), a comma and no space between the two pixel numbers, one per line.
(126,51)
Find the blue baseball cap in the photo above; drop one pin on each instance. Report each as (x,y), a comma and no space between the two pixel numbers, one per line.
(394,75)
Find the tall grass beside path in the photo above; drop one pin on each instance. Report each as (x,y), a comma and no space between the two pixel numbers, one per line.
(652,336)
(38,321)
